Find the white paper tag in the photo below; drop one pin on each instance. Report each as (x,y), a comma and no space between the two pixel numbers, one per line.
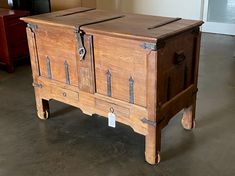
(111,120)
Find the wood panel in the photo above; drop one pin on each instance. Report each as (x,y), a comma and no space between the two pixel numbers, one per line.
(123,59)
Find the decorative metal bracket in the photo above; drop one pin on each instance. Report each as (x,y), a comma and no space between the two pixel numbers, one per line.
(81,49)
(32,26)
(149,122)
(131,90)
(48,62)
(108,77)
(66,65)
(37,85)
(151,46)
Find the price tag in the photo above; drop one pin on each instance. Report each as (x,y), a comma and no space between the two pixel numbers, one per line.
(111,119)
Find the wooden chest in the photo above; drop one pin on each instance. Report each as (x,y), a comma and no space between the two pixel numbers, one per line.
(13,39)
(140,69)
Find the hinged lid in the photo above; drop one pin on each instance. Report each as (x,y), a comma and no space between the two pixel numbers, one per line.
(141,27)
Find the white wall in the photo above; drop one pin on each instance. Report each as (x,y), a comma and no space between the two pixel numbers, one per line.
(190,9)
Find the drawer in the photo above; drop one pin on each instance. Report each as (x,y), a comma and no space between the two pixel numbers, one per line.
(64,94)
(106,106)
(57,93)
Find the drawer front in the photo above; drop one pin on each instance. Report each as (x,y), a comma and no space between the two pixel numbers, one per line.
(120,69)
(111,107)
(53,92)
(175,66)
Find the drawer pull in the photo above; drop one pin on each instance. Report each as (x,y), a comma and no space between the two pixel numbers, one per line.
(111,110)
(179,58)
(64,94)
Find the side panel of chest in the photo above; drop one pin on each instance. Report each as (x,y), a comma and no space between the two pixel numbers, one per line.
(176,66)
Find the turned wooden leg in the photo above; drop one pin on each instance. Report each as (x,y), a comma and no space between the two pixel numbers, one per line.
(42,108)
(188,120)
(153,145)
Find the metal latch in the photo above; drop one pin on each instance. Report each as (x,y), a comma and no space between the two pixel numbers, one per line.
(149,122)
(81,48)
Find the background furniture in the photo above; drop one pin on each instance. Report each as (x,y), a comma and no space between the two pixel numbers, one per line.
(13,45)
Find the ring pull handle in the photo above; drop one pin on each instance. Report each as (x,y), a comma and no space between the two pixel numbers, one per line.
(111,110)
(179,57)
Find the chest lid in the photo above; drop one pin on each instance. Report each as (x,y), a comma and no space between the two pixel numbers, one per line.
(135,26)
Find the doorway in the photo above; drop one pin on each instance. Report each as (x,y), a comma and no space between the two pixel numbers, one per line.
(219,16)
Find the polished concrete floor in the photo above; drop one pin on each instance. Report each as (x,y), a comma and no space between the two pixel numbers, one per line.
(73,144)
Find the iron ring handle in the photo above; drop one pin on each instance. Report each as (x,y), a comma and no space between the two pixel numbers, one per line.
(179,58)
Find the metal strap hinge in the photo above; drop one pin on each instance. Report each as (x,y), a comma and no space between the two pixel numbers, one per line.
(37,85)
(149,122)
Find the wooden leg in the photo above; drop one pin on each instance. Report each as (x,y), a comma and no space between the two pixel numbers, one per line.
(188,120)
(42,108)
(153,145)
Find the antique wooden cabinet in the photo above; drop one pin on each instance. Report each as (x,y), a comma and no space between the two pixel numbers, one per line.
(140,69)
(13,39)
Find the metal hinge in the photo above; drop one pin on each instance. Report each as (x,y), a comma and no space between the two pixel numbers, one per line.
(153,46)
(32,26)
(149,122)
(81,49)
(37,85)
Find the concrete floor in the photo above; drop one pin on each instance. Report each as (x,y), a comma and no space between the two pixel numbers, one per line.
(73,144)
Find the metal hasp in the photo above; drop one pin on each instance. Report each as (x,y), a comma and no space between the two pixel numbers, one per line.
(48,67)
(81,49)
(149,122)
(108,77)
(66,65)
(131,90)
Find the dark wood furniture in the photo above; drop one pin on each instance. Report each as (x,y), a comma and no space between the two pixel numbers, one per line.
(13,39)
(140,69)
